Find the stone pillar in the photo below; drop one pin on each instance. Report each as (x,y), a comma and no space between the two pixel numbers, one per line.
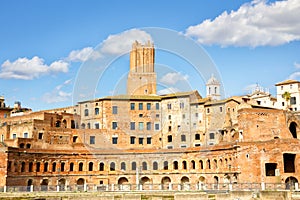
(296,186)
(263,186)
(57,188)
(179,187)
(170,186)
(230,187)
(4,189)
(141,186)
(85,187)
(112,187)
(31,188)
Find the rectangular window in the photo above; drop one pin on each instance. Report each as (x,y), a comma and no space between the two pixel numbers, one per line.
(170,117)
(97,126)
(141,140)
(183,116)
(169,106)
(157,115)
(148,126)
(170,138)
(270,169)
(14,136)
(149,140)
(148,106)
(132,106)
(157,127)
(25,135)
(157,106)
(211,136)
(140,106)
(183,138)
(115,110)
(115,140)
(289,162)
(221,109)
(293,100)
(181,105)
(141,126)
(92,139)
(114,125)
(41,136)
(196,114)
(170,128)
(132,125)
(132,140)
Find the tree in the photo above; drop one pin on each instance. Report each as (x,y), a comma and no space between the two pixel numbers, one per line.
(287,96)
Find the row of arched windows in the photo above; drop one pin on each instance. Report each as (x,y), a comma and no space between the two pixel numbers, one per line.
(62,166)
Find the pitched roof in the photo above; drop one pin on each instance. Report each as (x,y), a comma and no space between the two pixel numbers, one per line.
(286,82)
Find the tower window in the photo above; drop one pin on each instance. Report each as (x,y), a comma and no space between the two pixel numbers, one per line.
(115,110)
(132,106)
(140,106)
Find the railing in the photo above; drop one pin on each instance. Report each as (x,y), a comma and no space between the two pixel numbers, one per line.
(155,187)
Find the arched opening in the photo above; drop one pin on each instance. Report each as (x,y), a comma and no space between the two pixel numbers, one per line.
(62,184)
(83,126)
(155,165)
(184,165)
(201,182)
(28,146)
(123,166)
(185,183)
(201,164)
(165,182)
(44,185)
(29,183)
(23,167)
(290,183)
(215,164)
(208,164)
(91,166)
(112,166)
(166,165)
(54,167)
(71,167)
(65,123)
(123,183)
(22,145)
(293,129)
(101,166)
(80,167)
(145,181)
(80,184)
(30,167)
(144,166)
(216,182)
(57,123)
(175,165)
(73,125)
(122,180)
(193,164)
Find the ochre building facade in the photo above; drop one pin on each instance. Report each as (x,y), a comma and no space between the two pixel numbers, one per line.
(141,138)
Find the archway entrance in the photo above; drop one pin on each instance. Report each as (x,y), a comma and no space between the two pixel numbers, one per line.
(293,129)
(29,184)
(62,184)
(185,183)
(290,183)
(145,181)
(201,182)
(80,184)
(165,182)
(123,183)
(216,182)
(44,185)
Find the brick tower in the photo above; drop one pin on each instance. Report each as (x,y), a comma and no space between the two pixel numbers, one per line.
(141,78)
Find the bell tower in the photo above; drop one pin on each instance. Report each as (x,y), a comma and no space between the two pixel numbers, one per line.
(141,78)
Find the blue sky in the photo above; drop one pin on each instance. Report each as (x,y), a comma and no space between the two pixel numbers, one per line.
(43,44)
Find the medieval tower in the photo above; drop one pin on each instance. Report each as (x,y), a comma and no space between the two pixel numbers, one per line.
(141,78)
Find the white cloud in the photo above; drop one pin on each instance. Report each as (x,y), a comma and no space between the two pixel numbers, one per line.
(121,43)
(169,90)
(254,24)
(294,75)
(83,55)
(28,69)
(173,77)
(297,65)
(58,95)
